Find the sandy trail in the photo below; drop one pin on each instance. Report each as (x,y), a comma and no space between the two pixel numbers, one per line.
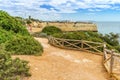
(62,64)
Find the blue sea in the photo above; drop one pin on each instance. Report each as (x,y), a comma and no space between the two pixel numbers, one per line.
(108,27)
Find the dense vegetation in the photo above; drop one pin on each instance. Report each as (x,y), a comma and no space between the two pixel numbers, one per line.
(10,23)
(12,69)
(16,37)
(5,35)
(24,45)
(49,30)
(110,39)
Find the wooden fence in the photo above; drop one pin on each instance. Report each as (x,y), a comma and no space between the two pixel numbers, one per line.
(77,44)
(111,61)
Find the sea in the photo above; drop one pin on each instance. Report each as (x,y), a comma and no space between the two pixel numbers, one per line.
(108,27)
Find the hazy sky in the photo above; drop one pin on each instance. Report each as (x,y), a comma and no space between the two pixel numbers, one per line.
(93,10)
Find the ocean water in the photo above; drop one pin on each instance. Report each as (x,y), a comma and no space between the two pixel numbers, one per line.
(108,27)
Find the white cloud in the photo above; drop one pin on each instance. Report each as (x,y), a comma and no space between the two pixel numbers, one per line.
(94,10)
(103,6)
(32,7)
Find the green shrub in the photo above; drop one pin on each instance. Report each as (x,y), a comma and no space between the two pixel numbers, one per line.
(16,37)
(71,35)
(110,39)
(12,69)
(78,36)
(95,39)
(29,21)
(19,44)
(5,36)
(8,23)
(24,45)
(118,48)
(49,30)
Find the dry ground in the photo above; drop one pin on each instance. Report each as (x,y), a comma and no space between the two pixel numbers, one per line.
(61,64)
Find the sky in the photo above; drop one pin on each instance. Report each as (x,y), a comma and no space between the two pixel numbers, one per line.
(73,10)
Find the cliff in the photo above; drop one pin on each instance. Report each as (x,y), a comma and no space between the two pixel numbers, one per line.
(67,26)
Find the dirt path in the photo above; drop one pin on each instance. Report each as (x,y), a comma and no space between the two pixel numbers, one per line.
(61,64)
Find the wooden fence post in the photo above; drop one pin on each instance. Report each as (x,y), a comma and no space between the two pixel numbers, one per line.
(82,44)
(104,52)
(111,63)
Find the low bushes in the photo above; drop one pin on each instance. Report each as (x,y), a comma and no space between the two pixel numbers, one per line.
(16,37)
(118,48)
(10,23)
(19,44)
(24,45)
(17,40)
(12,69)
(49,30)
(110,39)
(5,35)
(90,36)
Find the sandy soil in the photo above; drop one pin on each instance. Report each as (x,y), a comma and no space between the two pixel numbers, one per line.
(61,64)
(36,29)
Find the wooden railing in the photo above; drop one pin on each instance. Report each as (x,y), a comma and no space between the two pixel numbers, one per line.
(111,61)
(77,44)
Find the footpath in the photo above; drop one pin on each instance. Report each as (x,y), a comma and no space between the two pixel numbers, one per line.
(62,64)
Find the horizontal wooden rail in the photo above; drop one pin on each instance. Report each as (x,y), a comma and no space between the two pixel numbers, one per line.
(75,40)
(111,61)
(90,46)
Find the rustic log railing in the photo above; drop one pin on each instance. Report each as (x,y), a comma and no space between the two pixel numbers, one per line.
(111,61)
(94,47)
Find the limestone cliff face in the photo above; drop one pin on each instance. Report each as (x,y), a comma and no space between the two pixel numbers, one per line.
(68,26)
